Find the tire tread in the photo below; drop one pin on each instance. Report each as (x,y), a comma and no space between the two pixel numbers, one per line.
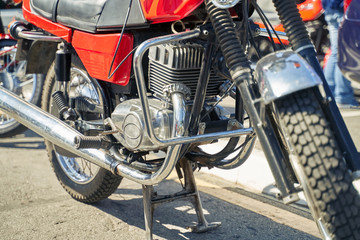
(330,182)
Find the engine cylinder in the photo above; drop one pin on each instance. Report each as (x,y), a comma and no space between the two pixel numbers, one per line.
(179,63)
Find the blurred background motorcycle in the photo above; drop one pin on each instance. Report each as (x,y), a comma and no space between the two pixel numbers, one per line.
(12,72)
(311,12)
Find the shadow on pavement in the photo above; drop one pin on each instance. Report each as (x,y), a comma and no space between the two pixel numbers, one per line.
(27,140)
(171,219)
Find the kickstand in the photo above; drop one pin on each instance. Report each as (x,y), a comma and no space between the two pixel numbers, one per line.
(190,192)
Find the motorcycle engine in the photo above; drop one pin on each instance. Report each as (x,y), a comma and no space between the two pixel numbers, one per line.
(168,65)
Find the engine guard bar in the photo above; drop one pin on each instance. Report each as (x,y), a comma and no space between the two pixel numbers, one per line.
(142,90)
(264,32)
(62,135)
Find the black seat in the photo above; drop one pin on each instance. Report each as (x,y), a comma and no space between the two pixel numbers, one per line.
(90,15)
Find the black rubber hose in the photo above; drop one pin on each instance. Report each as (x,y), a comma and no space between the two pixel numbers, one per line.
(231,47)
(294,26)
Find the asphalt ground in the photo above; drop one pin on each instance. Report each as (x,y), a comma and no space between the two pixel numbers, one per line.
(34,206)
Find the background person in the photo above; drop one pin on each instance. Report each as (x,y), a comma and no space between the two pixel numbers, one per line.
(339,85)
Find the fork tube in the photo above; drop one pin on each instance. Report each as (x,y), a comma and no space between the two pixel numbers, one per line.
(240,71)
(270,147)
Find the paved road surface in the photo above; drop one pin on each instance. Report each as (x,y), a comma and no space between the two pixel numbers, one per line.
(34,206)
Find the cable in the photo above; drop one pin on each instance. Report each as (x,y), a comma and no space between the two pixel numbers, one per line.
(267,23)
(118,44)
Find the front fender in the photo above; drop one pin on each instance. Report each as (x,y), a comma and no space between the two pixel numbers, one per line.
(283,72)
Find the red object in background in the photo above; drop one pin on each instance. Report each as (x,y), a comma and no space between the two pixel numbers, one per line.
(96,52)
(346,4)
(164,11)
(327,55)
(278,28)
(310,10)
(16,2)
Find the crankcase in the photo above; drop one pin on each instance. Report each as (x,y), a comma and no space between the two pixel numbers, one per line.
(128,118)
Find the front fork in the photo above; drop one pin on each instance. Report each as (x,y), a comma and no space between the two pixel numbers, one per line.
(241,75)
(240,71)
(271,147)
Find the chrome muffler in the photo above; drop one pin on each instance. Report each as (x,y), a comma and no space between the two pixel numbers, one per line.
(62,135)
(49,127)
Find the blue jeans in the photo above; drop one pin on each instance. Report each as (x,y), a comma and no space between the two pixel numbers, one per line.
(339,85)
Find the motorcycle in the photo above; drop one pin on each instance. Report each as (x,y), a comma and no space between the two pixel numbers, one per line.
(312,14)
(12,72)
(133,90)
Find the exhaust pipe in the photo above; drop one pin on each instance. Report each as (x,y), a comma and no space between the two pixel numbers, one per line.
(62,135)
(50,128)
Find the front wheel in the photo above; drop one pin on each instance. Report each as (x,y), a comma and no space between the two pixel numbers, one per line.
(319,165)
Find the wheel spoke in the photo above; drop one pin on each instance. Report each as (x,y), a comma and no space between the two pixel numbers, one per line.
(26,82)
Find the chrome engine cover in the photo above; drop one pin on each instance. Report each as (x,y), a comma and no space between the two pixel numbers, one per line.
(128,118)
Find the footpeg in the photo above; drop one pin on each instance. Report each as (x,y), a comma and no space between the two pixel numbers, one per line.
(98,142)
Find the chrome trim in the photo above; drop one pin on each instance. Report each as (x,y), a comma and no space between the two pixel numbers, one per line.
(173,152)
(291,198)
(18,30)
(38,36)
(140,79)
(179,121)
(323,230)
(172,156)
(142,90)
(264,32)
(49,127)
(309,46)
(225,4)
(284,72)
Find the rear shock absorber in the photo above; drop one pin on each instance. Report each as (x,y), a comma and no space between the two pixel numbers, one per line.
(62,77)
